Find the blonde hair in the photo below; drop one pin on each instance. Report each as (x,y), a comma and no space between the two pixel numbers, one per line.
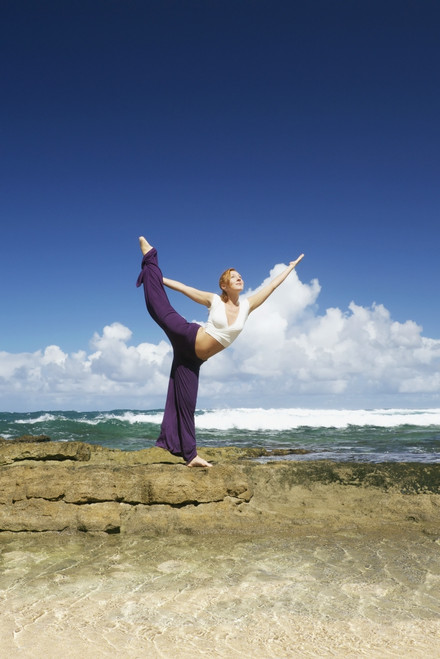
(225,278)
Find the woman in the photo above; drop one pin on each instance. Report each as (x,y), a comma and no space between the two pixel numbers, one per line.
(193,344)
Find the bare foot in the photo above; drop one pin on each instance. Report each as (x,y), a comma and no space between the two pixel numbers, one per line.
(145,245)
(198,462)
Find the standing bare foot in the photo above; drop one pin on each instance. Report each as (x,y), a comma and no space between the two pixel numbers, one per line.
(145,245)
(198,462)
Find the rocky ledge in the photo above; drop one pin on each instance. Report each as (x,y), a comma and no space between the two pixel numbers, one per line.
(72,486)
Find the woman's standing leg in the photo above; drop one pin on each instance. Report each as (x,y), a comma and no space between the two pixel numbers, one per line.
(178,431)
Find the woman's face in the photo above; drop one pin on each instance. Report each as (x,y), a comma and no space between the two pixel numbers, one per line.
(235,283)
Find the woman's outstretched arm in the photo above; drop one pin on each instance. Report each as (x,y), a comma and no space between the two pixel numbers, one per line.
(261,296)
(202,297)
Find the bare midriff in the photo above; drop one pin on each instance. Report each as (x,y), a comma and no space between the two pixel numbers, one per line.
(206,346)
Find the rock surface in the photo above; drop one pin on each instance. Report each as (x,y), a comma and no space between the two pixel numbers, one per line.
(71,486)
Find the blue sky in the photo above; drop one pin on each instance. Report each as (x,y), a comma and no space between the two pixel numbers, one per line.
(229,133)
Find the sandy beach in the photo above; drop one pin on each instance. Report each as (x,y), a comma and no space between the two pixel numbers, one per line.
(327,595)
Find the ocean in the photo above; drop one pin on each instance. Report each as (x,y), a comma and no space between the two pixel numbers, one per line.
(377,435)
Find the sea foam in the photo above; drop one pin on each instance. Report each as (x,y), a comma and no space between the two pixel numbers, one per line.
(290,418)
(43,418)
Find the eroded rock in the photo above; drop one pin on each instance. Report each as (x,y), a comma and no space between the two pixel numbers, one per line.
(71,486)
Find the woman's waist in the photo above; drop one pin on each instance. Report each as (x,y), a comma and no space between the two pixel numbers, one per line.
(206,346)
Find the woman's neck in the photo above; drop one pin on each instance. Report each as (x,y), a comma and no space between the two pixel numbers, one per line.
(233,299)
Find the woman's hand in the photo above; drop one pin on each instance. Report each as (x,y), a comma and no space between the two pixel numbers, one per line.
(295,263)
(261,296)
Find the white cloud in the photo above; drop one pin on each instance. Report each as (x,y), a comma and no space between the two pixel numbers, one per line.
(114,371)
(118,362)
(287,354)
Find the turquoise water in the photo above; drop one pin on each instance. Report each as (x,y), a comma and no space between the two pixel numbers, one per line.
(342,435)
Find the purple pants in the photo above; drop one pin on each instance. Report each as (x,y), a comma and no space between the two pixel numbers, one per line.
(177,433)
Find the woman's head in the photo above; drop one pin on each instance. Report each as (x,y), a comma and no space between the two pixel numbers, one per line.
(229,278)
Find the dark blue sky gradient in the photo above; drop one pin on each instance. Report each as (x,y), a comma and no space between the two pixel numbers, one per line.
(230,133)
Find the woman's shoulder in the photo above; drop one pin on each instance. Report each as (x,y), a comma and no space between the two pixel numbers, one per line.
(244,303)
(216,299)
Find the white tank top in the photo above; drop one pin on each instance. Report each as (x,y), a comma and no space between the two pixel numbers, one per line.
(217,323)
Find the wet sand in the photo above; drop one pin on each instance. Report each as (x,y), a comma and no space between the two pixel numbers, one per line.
(345,594)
